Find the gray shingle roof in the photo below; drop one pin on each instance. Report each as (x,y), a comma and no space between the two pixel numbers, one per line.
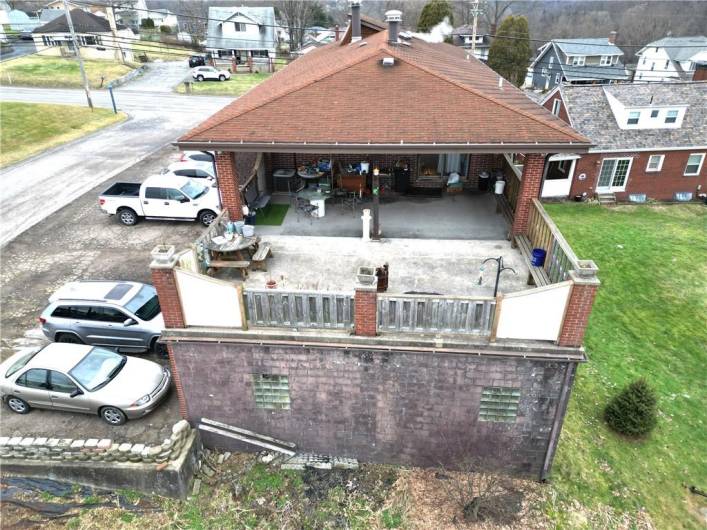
(83,23)
(261,15)
(680,48)
(598,46)
(592,116)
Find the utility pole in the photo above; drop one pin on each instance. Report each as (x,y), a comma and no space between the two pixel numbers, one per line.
(475,12)
(110,15)
(78,54)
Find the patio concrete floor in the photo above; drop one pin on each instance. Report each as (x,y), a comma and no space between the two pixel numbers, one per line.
(448,267)
(462,216)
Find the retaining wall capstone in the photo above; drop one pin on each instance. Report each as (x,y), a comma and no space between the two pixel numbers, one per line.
(96,450)
(128,77)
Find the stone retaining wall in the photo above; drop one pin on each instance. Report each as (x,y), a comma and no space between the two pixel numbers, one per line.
(95,450)
(128,77)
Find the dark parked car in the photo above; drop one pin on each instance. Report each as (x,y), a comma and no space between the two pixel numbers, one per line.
(197,60)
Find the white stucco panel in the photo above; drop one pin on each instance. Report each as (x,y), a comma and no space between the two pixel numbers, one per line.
(535,314)
(207,301)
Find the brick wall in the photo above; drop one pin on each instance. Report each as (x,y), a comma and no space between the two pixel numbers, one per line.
(166,286)
(660,185)
(394,407)
(365,312)
(579,308)
(529,189)
(563,110)
(228,183)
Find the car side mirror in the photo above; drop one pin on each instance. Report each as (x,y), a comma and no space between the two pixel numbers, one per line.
(184,199)
(129,322)
(76,393)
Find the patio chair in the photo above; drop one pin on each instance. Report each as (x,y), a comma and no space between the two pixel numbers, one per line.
(351,200)
(302,206)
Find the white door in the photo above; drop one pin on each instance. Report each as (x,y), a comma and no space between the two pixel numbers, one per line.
(559,172)
(614,174)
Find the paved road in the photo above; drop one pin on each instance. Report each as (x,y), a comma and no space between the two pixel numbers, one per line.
(38,187)
(160,76)
(19,48)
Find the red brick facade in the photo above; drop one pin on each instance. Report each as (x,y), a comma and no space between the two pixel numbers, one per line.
(181,398)
(529,189)
(660,185)
(579,307)
(365,312)
(166,286)
(563,111)
(228,183)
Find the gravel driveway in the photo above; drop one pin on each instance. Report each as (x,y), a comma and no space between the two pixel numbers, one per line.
(79,242)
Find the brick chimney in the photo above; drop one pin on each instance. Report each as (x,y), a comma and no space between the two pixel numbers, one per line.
(393,18)
(612,37)
(355,20)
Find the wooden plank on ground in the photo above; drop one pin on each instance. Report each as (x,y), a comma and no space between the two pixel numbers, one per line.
(247,432)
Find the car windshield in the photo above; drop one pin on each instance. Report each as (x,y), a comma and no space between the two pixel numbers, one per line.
(145,305)
(193,190)
(21,362)
(98,368)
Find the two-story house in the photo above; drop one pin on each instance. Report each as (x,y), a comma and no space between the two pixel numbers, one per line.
(332,351)
(650,141)
(242,34)
(671,58)
(464,36)
(577,61)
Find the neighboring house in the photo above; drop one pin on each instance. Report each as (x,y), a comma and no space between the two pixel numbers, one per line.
(131,13)
(93,34)
(326,362)
(242,34)
(47,15)
(312,41)
(4,19)
(650,141)
(670,58)
(162,17)
(21,21)
(577,61)
(464,36)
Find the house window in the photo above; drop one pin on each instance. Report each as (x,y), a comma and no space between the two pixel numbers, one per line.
(545,71)
(633,117)
(667,63)
(654,113)
(671,116)
(556,104)
(552,60)
(499,404)
(614,173)
(655,162)
(644,60)
(694,164)
(605,60)
(578,60)
(562,166)
(557,79)
(259,53)
(443,164)
(239,26)
(271,391)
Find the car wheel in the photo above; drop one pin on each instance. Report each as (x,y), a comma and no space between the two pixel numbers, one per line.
(199,77)
(17,405)
(159,348)
(68,338)
(207,217)
(127,217)
(113,415)
(222,77)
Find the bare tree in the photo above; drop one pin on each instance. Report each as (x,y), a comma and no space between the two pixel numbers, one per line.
(494,11)
(193,18)
(296,14)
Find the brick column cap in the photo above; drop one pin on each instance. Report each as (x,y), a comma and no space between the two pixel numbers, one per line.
(358,286)
(164,257)
(579,279)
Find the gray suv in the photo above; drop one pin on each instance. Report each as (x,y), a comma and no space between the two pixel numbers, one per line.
(122,315)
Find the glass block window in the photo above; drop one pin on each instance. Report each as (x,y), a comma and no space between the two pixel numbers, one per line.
(271,391)
(499,404)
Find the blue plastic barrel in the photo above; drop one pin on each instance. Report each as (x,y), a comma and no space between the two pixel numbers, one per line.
(538,257)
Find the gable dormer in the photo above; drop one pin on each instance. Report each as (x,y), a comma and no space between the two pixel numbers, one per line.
(646,114)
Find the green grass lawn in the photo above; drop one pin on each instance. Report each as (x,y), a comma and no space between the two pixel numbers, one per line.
(272,215)
(238,85)
(35,70)
(29,128)
(649,320)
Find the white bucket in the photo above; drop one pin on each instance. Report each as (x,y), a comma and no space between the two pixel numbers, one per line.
(500,184)
(248,230)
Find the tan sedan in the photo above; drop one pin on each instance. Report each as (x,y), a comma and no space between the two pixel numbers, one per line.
(80,378)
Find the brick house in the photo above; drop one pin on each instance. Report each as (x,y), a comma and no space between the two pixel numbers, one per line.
(331,359)
(650,141)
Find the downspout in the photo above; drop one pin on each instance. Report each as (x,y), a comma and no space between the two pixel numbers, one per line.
(559,420)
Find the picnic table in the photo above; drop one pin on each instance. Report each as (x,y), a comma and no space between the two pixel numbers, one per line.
(229,254)
(315,198)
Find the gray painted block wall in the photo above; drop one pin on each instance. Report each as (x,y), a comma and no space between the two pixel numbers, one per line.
(416,408)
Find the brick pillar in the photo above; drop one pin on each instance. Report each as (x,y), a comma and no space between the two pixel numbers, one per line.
(579,306)
(166,285)
(181,398)
(365,310)
(228,183)
(530,184)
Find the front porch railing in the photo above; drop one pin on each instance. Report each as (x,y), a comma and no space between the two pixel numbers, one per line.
(299,309)
(435,314)
(560,259)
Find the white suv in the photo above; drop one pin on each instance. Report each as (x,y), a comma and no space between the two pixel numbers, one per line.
(201,73)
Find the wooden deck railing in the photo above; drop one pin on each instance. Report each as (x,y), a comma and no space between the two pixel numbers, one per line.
(425,313)
(543,233)
(512,183)
(299,309)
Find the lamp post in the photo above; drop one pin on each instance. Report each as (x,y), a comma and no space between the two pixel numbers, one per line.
(499,270)
(375,185)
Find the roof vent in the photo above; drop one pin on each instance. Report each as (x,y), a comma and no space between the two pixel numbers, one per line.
(388,61)
(393,18)
(355,20)
(407,35)
(500,83)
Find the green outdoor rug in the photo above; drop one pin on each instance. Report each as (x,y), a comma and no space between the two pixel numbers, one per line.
(272,215)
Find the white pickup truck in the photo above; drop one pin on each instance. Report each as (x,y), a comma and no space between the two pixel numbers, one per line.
(161,197)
